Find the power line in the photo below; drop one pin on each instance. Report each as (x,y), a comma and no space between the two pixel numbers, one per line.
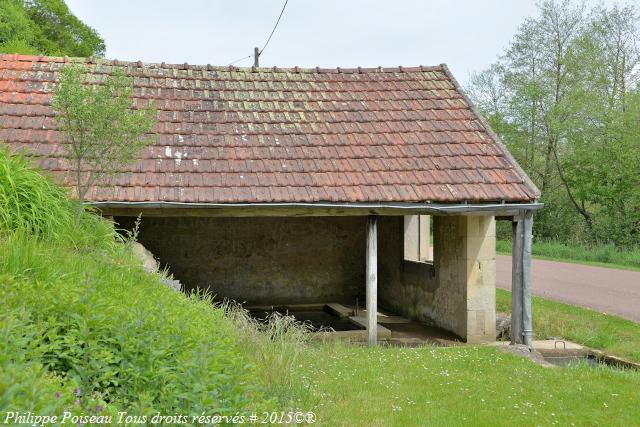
(274,27)
(258,52)
(240,59)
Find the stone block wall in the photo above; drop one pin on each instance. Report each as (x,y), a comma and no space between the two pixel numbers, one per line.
(265,260)
(466,264)
(457,291)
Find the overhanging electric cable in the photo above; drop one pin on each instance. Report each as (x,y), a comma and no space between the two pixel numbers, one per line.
(257,52)
(238,60)
(274,27)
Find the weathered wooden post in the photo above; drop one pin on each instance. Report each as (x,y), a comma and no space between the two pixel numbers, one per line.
(256,57)
(372,279)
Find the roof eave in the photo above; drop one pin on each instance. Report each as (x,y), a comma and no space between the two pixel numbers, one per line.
(313,209)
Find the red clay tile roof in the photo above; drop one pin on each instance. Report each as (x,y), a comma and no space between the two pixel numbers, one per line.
(281,135)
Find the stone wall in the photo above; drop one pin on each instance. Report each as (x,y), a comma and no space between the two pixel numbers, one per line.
(265,260)
(404,287)
(457,291)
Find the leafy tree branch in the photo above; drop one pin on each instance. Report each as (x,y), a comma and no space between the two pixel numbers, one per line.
(103,132)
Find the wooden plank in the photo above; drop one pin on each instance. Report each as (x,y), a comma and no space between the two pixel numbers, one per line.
(527,319)
(284,307)
(372,279)
(516,281)
(338,309)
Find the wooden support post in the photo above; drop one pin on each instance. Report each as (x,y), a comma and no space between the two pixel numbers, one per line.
(527,320)
(256,57)
(372,279)
(516,280)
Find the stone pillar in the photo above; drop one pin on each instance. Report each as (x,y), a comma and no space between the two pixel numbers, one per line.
(466,272)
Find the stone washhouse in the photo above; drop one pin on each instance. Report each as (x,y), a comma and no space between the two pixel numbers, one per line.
(273,185)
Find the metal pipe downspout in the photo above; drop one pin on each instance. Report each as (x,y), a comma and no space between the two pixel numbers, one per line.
(527,320)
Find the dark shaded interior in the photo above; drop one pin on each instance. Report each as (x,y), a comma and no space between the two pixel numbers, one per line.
(272,260)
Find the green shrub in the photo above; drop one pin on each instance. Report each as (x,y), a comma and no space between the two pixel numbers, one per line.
(109,327)
(25,385)
(85,328)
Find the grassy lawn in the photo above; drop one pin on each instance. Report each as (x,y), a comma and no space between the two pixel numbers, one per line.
(603,256)
(359,386)
(356,386)
(612,334)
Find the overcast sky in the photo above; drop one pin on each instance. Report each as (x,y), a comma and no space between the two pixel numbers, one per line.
(466,34)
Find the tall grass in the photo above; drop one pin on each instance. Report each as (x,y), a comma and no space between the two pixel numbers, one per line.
(275,344)
(604,254)
(32,204)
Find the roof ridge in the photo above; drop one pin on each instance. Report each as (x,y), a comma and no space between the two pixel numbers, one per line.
(91,60)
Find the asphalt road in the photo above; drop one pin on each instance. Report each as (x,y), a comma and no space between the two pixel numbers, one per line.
(606,290)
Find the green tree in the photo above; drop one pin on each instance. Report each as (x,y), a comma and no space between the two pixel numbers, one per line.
(102,130)
(568,94)
(45,27)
